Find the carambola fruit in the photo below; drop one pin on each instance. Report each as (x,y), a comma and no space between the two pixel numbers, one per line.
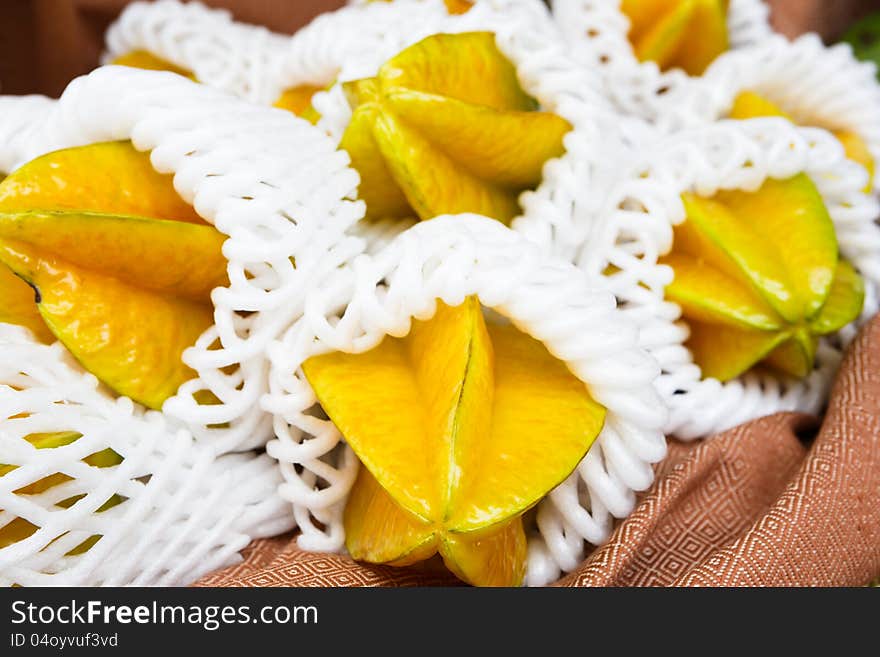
(461,426)
(759,278)
(117,266)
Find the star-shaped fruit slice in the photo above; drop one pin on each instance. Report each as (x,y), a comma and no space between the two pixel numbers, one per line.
(685,34)
(445,128)
(120,268)
(749,105)
(759,279)
(461,427)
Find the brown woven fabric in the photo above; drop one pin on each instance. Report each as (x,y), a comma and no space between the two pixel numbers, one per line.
(762,504)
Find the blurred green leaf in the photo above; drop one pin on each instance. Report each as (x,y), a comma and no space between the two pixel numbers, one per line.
(864,37)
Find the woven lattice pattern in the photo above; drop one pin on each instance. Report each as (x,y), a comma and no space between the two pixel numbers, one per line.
(596,32)
(176,510)
(218,51)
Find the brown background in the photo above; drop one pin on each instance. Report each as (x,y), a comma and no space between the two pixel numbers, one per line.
(46,43)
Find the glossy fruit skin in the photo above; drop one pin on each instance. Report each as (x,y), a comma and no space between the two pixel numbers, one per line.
(759,278)
(461,427)
(150,62)
(685,34)
(445,128)
(116,265)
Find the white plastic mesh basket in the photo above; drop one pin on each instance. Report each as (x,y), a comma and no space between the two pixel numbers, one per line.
(596,32)
(269,181)
(220,52)
(818,86)
(637,228)
(352,43)
(182,511)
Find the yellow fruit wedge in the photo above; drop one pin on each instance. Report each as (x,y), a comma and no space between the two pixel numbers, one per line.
(758,278)
(17,306)
(686,34)
(790,216)
(380,531)
(110,177)
(857,150)
(148,61)
(121,268)
(18,529)
(457,7)
(461,427)
(707,294)
(748,105)
(844,302)
(446,128)
(796,355)
(298,100)
(724,352)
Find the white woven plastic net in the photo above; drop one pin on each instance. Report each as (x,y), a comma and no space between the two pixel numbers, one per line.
(596,33)
(450,258)
(179,512)
(220,52)
(816,85)
(269,181)
(637,229)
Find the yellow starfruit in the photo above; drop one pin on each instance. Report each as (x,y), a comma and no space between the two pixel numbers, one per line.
(759,278)
(685,34)
(150,62)
(749,105)
(120,267)
(445,128)
(298,100)
(461,427)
